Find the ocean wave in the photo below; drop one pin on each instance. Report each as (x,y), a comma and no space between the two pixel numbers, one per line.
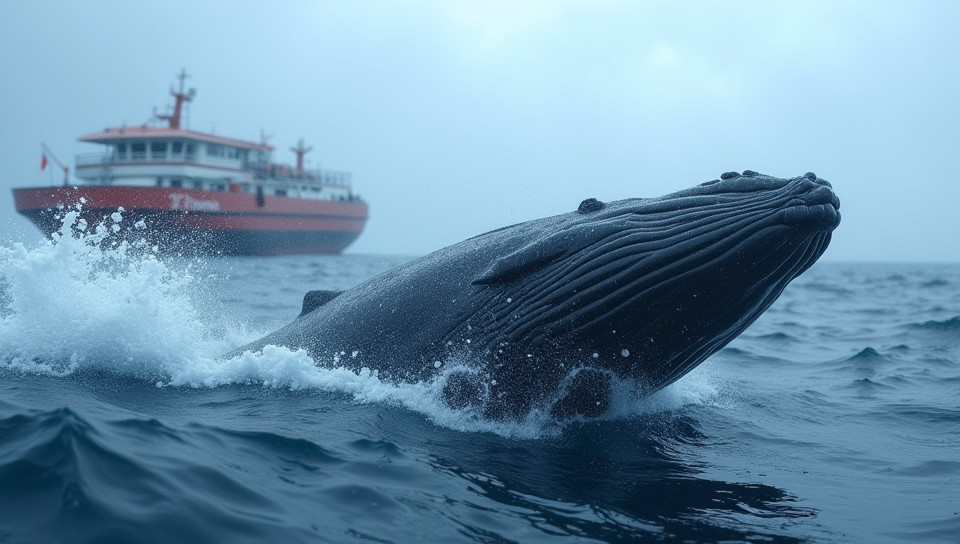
(66,479)
(776,337)
(932,469)
(188,482)
(912,415)
(940,530)
(951,325)
(832,289)
(868,357)
(866,386)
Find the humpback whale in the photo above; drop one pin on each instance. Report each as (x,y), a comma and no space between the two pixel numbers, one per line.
(546,314)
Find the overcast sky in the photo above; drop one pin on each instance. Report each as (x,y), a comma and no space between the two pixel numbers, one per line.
(459,117)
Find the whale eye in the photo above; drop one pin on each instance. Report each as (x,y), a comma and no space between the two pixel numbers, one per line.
(590,205)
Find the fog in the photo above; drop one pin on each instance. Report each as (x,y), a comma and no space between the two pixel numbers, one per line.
(459,117)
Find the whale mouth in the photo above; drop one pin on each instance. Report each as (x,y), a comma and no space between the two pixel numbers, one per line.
(819,217)
(817,209)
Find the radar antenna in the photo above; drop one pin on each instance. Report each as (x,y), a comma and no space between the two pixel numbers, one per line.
(181,98)
(300,150)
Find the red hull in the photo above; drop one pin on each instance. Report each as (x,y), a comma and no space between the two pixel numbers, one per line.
(209,222)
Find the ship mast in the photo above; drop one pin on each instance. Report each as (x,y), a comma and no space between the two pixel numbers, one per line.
(43,165)
(300,150)
(180,97)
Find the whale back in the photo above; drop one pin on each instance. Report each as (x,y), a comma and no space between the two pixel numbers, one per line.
(641,289)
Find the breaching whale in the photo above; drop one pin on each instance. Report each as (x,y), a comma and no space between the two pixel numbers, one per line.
(546,314)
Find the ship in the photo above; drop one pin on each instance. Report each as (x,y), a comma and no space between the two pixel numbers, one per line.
(183,191)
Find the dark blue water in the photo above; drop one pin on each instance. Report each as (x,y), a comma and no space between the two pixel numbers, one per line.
(835,418)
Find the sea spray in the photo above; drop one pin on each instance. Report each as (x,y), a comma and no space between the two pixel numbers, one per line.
(77,300)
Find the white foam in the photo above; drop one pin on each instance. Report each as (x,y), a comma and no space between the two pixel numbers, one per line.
(281,367)
(699,387)
(70,302)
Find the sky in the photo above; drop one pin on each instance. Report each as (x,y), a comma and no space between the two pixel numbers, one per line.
(459,117)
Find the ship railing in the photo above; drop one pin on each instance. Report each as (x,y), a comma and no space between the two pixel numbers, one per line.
(333,177)
(109,159)
(285,173)
(92,159)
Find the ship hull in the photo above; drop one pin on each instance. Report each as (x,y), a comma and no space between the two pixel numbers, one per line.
(201,222)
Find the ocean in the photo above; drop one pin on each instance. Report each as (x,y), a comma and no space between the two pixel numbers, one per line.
(834,418)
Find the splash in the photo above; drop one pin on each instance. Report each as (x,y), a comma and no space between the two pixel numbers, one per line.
(85,302)
(80,299)
(281,367)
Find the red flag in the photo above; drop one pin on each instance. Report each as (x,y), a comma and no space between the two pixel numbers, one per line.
(43,162)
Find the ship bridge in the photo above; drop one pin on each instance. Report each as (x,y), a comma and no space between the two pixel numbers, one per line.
(175,157)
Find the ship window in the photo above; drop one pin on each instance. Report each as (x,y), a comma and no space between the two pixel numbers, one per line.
(281,192)
(197,184)
(158,150)
(121,151)
(176,183)
(214,150)
(233,152)
(190,151)
(138,151)
(176,148)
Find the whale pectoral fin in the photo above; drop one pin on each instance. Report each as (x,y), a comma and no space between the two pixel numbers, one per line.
(523,261)
(315,299)
(546,250)
(513,267)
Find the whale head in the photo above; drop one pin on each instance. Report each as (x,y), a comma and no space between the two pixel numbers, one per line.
(648,288)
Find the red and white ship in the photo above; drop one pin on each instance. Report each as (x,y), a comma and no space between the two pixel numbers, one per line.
(194,192)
